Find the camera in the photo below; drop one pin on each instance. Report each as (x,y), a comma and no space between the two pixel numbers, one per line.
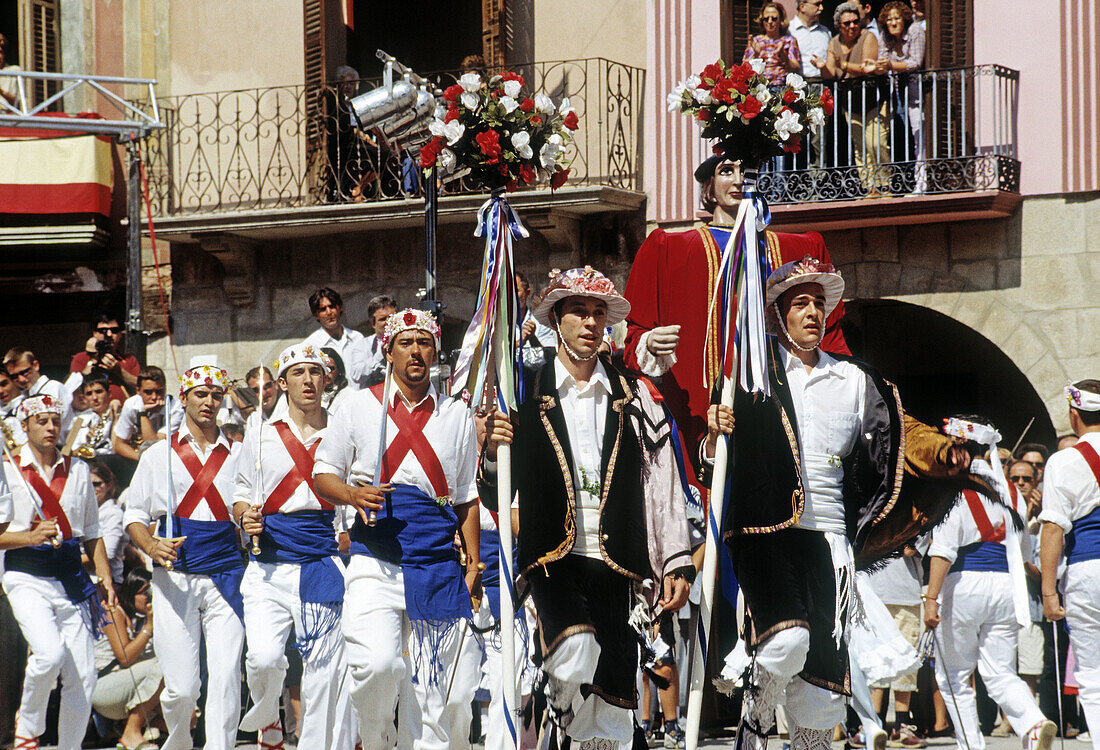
(103,347)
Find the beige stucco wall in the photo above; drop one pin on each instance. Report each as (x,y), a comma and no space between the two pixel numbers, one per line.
(573,29)
(221,46)
(1030,283)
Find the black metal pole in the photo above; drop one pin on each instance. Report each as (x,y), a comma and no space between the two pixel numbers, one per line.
(135,331)
(431,303)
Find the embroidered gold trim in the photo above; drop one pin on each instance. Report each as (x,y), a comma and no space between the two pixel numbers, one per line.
(569,631)
(710,354)
(758,638)
(617,407)
(547,403)
(798,496)
(899,469)
(845,689)
(612,699)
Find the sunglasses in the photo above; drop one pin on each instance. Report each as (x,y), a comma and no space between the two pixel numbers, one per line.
(773,19)
(98,483)
(849,23)
(1037,464)
(108,329)
(1021,479)
(13,374)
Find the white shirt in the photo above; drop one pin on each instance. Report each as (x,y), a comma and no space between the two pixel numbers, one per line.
(1070,490)
(6,508)
(898,582)
(585,412)
(275,463)
(15,427)
(128,423)
(365,363)
(320,339)
(114,538)
(350,447)
(960,529)
(828,407)
(86,423)
(280,411)
(812,40)
(77,498)
(149,499)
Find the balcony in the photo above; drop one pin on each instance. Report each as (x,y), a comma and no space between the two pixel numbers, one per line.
(273,161)
(923,147)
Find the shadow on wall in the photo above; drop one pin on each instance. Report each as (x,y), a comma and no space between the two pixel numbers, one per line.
(942,367)
(953,257)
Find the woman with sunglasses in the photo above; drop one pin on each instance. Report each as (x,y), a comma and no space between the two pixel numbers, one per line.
(110,516)
(851,57)
(130,677)
(774,45)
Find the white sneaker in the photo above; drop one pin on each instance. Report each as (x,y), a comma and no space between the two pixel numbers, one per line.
(1041,736)
(1084,737)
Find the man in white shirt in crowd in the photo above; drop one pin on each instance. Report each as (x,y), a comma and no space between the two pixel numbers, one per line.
(1071,524)
(406,590)
(186,485)
(327,306)
(812,37)
(24,370)
(54,519)
(90,435)
(295,580)
(365,362)
(142,417)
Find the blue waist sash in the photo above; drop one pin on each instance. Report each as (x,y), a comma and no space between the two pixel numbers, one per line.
(417,533)
(63,564)
(307,538)
(1083,540)
(212,549)
(982,556)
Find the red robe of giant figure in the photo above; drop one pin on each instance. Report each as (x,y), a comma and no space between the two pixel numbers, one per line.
(670,289)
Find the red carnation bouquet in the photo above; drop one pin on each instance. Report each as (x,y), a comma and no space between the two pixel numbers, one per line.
(753,121)
(500,136)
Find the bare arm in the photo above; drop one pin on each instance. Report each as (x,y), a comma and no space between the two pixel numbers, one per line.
(1052,542)
(937,571)
(362,497)
(39,534)
(469,526)
(162,551)
(125,648)
(123,448)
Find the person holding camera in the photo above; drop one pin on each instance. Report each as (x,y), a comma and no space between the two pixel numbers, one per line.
(104,351)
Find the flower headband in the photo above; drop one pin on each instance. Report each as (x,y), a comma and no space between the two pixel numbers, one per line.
(297,355)
(1082,400)
(42,404)
(407,320)
(208,375)
(979,433)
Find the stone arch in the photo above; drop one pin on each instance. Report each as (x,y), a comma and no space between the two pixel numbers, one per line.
(957,361)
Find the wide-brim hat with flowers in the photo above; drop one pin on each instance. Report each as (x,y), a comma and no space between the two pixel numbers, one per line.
(809,270)
(210,376)
(299,354)
(581,282)
(407,320)
(41,404)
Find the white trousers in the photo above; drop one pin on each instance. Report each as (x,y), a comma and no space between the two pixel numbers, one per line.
(186,608)
(60,645)
(1081,585)
(572,664)
(782,656)
(271,608)
(979,628)
(387,660)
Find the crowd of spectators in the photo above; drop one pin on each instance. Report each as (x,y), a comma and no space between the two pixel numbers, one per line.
(871,63)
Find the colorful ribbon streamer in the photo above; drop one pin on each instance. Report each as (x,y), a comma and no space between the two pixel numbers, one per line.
(739,293)
(489,345)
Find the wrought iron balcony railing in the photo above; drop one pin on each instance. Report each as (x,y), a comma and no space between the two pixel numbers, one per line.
(931,132)
(293,146)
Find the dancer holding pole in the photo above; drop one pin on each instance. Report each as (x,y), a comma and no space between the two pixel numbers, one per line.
(52,597)
(405,588)
(602,521)
(799,516)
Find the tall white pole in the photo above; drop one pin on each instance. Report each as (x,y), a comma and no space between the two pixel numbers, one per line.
(709,575)
(507,601)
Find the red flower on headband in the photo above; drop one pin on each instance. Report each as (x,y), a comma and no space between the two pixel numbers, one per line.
(410,318)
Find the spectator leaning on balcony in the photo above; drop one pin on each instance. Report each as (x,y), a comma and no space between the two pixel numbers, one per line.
(853,55)
(812,38)
(868,21)
(348,147)
(775,46)
(902,52)
(8,84)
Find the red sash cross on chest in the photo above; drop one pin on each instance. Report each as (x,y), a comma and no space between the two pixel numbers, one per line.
(202,479)
(410,437)
(981,518)
(302,471)
(50,494)
(1091,458)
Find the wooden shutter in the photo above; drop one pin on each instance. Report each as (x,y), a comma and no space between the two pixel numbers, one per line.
(41,48)
(737,26)
(325,50)
(950,45)
(492,33)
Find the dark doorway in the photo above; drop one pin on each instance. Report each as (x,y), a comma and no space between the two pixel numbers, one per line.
(942,367)
(426,35)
